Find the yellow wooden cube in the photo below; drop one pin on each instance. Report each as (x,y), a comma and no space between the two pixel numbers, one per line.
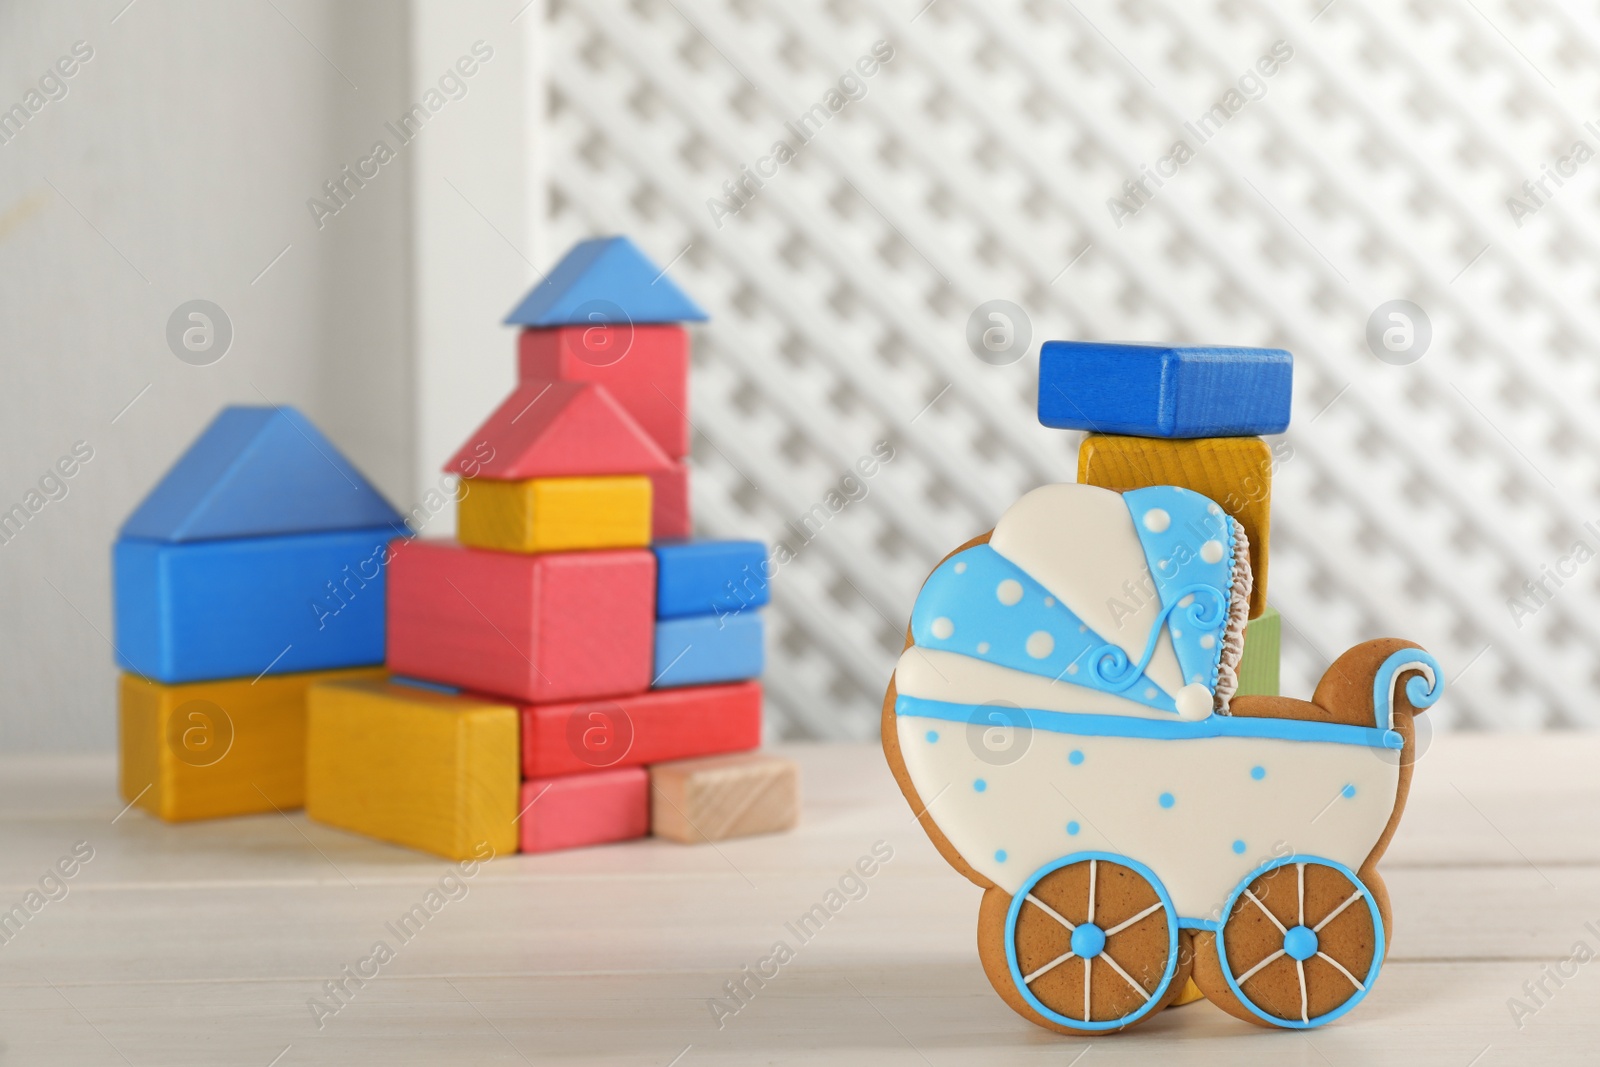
(555,514)
(415,767)
(207,749)
(1236,472)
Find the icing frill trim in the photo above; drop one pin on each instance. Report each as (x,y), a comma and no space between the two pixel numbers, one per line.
(1240,586)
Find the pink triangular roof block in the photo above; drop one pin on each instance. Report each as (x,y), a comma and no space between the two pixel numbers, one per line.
(558,430)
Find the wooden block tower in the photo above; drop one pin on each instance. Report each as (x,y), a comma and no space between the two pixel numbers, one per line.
(572,606)
(253,570)
(1184,416)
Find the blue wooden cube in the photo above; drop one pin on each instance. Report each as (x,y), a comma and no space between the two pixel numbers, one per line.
(1145,390)
(707,648)
(239,607)
(710,577)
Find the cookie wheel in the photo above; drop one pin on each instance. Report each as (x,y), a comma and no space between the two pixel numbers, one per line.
(1091,942)
(1301,943)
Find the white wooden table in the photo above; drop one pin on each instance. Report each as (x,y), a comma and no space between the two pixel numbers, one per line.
(203,944)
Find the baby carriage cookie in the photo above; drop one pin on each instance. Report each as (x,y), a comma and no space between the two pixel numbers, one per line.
(1063,721)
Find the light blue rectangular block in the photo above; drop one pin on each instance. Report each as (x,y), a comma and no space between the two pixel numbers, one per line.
(704,648)
(1145,390)
(710,577)
(235,608)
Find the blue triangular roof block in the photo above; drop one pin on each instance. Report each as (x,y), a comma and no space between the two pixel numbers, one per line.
(604,280)
(257,471)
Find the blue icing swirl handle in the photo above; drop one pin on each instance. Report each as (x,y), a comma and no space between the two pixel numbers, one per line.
(1423,691)
(978,603)
(1111,665)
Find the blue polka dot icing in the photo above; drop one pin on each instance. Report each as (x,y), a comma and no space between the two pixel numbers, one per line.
(1000,855)
(994,609)
(933,736)
(1073,828)
(1258,773)
(1075,757)
(1238,848)
(1166,800)
(1348,791)
(980,785)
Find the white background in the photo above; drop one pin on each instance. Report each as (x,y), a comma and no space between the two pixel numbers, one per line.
(1376,165)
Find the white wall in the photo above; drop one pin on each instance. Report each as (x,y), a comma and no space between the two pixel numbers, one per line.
(178,166)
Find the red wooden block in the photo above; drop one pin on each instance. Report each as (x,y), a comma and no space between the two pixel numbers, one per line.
(669,504)
(646,368)
(631,731)
(555,626)
(585,809)
(557,430)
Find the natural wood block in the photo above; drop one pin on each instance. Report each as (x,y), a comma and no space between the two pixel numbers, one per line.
(717,797)
(1236,472)
(578,810)
(1258,667)
(413,766)
(203,750)
(555,514)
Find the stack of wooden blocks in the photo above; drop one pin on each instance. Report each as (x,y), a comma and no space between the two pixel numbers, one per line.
(563,670)
(1186,416)
(573,670)
(253,570)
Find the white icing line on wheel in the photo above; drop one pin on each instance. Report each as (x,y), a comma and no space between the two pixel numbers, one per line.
(1334,914)
(1048,910)
(1300,877)
(1126,977)
(1088,971)
(1251,973)
(1257,902)
(1063,958)
(1340,966)
(1117,929)
(1092,864)
(1300,967)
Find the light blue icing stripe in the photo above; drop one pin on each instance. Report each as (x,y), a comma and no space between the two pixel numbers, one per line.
(1087,725)
(1178,529)
(1422,691)
(978,603)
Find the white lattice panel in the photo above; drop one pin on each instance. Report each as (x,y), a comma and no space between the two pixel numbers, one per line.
(1375,165)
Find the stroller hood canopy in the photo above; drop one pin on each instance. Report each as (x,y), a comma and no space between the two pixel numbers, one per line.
(1140,595)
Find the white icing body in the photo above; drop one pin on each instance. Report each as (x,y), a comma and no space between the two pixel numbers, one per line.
(1114,796)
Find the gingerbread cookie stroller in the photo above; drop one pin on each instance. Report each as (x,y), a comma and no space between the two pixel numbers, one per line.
(1064,722)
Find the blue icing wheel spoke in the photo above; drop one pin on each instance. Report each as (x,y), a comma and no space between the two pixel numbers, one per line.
(980,604)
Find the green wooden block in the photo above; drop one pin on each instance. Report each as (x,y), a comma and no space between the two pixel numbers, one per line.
(1258,667)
